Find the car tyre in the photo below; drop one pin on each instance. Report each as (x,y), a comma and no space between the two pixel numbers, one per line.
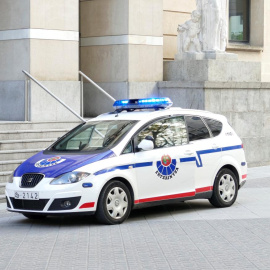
(225,189)
(33,216)
(114,203)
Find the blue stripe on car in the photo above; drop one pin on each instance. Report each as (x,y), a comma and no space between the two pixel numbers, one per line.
(189,159)
(203,152)
(124,167)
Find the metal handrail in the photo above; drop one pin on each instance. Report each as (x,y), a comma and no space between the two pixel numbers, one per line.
(97,86)
(49,92)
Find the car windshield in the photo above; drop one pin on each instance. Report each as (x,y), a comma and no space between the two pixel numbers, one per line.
(94,136)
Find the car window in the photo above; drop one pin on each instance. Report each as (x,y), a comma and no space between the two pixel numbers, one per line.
(214,125)
(128,148)
(166,132)
(196,128)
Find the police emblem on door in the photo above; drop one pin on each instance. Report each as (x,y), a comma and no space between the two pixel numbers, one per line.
(166,168)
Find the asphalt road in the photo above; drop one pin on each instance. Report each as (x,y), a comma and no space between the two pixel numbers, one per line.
(190,235)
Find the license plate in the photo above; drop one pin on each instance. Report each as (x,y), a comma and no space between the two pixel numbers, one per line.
(26,195)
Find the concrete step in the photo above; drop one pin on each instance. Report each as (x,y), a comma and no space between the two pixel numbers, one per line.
(2,188)
(18,154)
(25,144)
(32,134)
(10,165)
(4,176)
(4,126)
(2,199)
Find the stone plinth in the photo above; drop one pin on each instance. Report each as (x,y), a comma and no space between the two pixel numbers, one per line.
(206,56)
(212,70)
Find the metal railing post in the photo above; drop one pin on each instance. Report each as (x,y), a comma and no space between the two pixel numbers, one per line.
(97,86)
(81,93)
(26,99)
(54,96)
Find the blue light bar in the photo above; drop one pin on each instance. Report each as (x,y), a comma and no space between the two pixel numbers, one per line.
(143,103)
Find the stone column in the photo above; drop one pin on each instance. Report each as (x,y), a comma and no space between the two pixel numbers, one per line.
(121,48)
(42,37)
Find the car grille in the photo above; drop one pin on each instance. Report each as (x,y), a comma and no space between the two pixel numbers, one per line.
(8,204)
(29,204)
(30,180)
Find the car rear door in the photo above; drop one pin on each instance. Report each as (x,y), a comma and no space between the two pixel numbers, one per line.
(207,153)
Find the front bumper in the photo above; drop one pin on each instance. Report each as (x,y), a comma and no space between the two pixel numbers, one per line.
(53,199)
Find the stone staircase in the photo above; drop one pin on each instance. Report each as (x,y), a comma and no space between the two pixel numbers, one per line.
(21,140)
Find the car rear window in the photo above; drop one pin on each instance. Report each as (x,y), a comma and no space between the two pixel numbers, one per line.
(196,128)
(214,125)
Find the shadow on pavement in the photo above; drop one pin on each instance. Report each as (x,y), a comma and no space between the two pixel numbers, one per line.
(160,212)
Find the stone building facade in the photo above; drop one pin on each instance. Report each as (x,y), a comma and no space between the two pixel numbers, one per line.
(125,46)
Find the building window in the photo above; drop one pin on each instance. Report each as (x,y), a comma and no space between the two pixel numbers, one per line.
(239,13)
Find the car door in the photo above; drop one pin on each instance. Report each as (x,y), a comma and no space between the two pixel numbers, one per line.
(159,173)
(207,153)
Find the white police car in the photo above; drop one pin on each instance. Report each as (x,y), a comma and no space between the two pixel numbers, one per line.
(141,154)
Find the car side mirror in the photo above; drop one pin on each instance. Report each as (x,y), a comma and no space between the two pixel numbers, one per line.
(146,144)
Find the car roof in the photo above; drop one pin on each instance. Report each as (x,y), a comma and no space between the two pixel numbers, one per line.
(151,114)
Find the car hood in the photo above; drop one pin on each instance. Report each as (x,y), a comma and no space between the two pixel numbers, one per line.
(54,164)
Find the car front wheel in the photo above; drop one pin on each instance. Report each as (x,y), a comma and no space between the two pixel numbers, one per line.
(225,189)
(114,203)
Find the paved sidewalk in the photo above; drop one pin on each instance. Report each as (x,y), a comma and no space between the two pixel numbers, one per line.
(191,235)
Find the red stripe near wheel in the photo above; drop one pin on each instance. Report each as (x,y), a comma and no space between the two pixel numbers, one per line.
(87,205)
(174,196)
(204,189)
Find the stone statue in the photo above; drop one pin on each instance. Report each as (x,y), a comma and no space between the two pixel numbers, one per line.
(206,32)
(213,24)
(190,30)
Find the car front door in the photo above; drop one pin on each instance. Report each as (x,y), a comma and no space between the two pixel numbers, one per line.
(159,172)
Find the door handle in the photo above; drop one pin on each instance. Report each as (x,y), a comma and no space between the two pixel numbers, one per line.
(188,153)
(214,146)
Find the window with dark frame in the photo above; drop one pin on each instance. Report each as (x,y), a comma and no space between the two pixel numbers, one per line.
(215,126)
(196,129)
(239,20)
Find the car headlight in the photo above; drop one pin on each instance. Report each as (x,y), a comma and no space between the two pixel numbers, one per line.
(10,178)
(69,178)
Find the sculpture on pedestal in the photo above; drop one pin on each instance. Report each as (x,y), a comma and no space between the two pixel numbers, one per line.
(206,32)
(190,32)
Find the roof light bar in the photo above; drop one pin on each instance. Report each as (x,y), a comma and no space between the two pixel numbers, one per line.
(143,103)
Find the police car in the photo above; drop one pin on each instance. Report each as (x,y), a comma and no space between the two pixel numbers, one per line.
(144,153)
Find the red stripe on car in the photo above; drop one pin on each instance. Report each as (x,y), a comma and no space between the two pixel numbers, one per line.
(204,189)
(87,205)
(174,196)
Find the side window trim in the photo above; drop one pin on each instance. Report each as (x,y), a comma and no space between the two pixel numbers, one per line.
(209,130)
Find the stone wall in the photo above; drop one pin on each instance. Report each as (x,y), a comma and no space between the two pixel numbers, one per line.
(246,105)
(96,103)
(45,46)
